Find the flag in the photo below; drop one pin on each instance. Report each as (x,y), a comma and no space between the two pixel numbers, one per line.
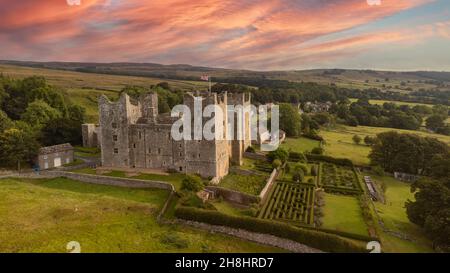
(204,78)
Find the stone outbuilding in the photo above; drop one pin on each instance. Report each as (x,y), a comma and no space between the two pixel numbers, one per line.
(55,156)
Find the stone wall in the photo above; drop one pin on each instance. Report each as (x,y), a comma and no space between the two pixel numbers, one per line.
(270,182)
(233,196)
(265,239)
(112,181)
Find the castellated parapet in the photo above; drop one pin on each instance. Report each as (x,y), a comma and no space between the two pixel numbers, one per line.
(133,134)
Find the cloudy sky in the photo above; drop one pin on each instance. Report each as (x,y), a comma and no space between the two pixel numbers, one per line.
(250,34)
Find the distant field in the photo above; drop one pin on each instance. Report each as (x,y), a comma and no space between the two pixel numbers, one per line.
(44,215)
(85,88)
(339,141)
(381,102)
(343,213)
(300,144)
(394,217)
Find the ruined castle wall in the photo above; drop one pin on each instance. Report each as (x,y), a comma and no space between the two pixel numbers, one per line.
(114,123)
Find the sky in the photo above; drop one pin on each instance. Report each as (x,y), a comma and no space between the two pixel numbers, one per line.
(240,34)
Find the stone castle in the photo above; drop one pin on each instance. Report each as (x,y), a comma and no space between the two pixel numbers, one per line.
(133,134)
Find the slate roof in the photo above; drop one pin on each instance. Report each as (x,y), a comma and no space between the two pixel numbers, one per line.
(55,149)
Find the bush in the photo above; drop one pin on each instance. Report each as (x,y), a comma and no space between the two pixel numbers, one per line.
(302,167)
(329,159)
(276,163)
(378,170)
(317,151)
(312,238)
(298,175)
(314,171)
(280,154)
(192,183)
(356,139)
(297,157)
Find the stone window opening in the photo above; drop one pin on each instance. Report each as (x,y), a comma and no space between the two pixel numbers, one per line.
(159,151)
(116,150)
(140,135)
(134,145)
(149,150)
(114,137)
(114,125)
(181,169)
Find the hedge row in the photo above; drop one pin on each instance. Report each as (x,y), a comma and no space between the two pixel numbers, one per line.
(312,238)
(329,159)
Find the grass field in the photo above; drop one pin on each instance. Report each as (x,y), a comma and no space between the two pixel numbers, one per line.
(250,184)
(394,217)
(174,178)
(343,213)
(44,215)
(339,141)
(300,144)
(381,102)
(84,88)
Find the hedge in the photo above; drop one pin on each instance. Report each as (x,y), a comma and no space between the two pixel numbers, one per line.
(329,159)
(312,238)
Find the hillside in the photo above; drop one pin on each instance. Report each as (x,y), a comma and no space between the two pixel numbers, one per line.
(362,79)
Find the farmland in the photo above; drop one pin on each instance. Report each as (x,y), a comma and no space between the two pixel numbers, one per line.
(339,143)
(300,144)
(44,215)
(290,202)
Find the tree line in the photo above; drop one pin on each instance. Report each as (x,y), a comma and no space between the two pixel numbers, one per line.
(34,114)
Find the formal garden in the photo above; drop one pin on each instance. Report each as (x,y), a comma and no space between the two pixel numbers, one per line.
(340,179)
(290,202)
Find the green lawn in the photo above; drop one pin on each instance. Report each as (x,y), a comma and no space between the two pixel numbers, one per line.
(44,215)
(381,102)
(339,141)
(174,178)
(393,214)
(250,184)
(343,213)
(300,144)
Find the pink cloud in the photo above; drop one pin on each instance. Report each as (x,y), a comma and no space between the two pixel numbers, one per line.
(250,34)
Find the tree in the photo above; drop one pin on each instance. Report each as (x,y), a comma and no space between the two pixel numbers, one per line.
(407,153)
(298,176)
(192,183)
(290,120)
(61,130)
(5,122)
(368,140)
(435,122)
(17,145)
(356,139)
(77,113)
(431,210)
(38,113)
(280,154)
(276,163)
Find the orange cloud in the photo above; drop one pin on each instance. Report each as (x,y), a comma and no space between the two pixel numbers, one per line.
(244,33)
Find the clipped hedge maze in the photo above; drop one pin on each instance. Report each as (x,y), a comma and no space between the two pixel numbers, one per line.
(290,202)
(341,179)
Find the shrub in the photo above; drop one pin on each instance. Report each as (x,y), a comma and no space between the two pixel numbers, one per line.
(297,157)
(356,139)
(313,238)
(276,163)
(317,151)
(378,170)
(314,171)
(302,167)
(280,154)
(298,175)
(192,183)
(329,159)
(287,168)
